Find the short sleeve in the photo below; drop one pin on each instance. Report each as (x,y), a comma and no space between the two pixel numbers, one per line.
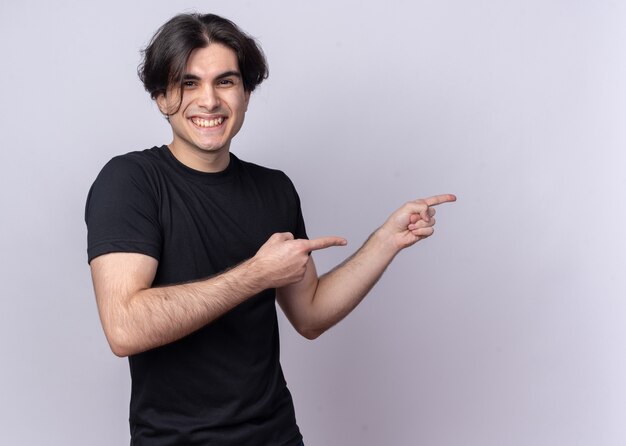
(299,230)
(122,211)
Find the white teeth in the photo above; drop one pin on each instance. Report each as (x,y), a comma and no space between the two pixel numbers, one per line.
(207,123)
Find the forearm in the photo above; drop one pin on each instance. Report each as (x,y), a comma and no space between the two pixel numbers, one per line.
(137,317)
(315,304)
(152,317)
(339,291)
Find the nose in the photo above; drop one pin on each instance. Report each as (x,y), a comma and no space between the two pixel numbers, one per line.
(209,98)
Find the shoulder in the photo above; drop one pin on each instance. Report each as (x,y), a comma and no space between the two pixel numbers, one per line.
(274,183)
(125,178)
(134,171)
(133,163)
(263,173)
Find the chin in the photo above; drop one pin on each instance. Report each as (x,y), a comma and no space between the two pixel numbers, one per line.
(211,148)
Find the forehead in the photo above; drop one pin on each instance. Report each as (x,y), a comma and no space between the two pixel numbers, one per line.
(212,60)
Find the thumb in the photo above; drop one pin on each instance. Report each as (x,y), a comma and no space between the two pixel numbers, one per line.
(280,237)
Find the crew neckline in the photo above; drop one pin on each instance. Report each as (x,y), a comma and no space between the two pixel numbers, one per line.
(197,175)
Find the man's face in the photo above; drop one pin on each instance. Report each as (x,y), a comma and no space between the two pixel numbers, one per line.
(212,109)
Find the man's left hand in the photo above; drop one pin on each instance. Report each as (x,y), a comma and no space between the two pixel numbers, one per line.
(414,221)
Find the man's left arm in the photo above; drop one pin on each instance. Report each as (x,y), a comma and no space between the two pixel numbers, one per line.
(315,304)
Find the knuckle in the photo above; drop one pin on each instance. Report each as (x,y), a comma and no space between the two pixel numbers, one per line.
(276,236)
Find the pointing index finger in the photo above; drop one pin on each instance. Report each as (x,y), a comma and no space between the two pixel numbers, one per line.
(439,199)
(325,242)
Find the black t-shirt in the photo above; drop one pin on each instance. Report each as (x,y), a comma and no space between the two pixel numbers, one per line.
(223,384)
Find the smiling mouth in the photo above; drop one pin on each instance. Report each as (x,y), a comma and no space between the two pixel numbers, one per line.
(207,123)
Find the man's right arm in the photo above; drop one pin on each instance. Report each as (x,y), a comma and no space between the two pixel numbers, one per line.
(137,317)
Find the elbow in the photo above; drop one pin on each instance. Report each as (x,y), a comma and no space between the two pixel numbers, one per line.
(310,333)
(311,336)
(310,329)
(119,343)
(119,350)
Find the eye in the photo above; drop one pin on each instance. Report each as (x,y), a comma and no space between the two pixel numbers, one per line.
(225,82)
(189,84)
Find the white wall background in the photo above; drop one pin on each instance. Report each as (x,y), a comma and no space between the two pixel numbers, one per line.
(508,327)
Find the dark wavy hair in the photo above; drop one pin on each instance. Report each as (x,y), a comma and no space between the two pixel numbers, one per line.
(165,57)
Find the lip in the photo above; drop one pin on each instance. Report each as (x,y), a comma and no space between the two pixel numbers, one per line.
(205,121)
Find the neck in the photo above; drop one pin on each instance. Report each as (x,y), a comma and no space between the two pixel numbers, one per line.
(203,161)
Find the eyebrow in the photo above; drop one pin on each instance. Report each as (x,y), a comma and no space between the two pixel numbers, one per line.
(193,77)
(233,73)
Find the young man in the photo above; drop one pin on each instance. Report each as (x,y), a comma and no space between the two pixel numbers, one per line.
(190,247)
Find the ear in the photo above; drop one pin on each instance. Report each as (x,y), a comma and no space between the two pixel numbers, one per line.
(161,101)
(247,99)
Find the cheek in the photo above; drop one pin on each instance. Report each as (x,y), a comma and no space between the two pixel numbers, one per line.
(179,105)
(246,101)
(173,103)
(242,107)
(239,102)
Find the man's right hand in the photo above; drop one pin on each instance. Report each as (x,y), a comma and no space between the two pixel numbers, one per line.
(282,260)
